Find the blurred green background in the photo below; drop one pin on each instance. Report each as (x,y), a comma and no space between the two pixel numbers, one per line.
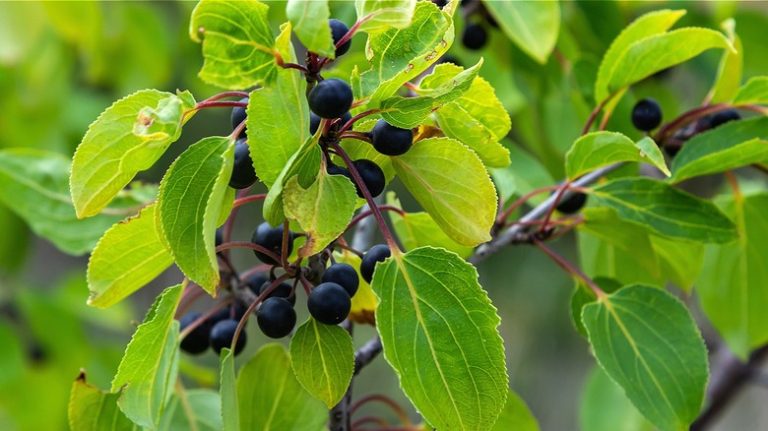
(62,63)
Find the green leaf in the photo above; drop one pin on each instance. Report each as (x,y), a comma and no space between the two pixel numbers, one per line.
(230,414)
(91,409)
(323,359)
(451,363)
(648,343)
(237,43)
(323,210)
(754,92)
(642,58)
(680,261)
(730,70)
(604,407)
(730,146)
(451,184)
(444,85)
(128,256)
(304,164)
(665,210)
(647,25)
(598,149)
(33,184)
(189,201)
(533,26)
(270,397)
(583,295)
(195,409)
(128,137)
(515,416)
(278,116)
(147,372)
(380,15)
(731,286)
(309,19)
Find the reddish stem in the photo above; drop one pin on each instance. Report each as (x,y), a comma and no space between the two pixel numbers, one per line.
(249,245)
(348,125)
(252,306)
(221,104)
(248,199)
(200,320)
(369,212)
(569,267)
(360,136)
(401,414)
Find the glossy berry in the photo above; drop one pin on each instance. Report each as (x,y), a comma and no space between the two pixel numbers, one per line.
(572,203)
(314,121)
(338,30)
(372,175)
(329,303)
(646,115)
(276,317)
(238,116)
(243,174)
(255,281)
(377,253)
(390,140)
(344,275)
(223,333)
(219,237)
(330,98)
(723,117)
(197,341)
(474,37)
(338,170)
(283,290)
(270,238)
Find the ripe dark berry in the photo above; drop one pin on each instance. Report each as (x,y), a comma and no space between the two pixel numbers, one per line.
(330,98)
(723,117)
(338,30)
(219,237)
(344,275)
(238,116)
(270,238)
(329,303)
(314,121)
(338,170)
(646,115)
(474,37)
(283,290)
(223,333)
(243,174)
(276,317)
(372,176)
(390,140)
(197,341)
(572,203)
(255,281)
(233,311)
(377,253)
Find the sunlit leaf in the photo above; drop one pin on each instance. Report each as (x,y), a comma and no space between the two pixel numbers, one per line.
(91,409)
(598,149)
(309,19)
(533,26)
(755,91)
(731,65)
(380,15)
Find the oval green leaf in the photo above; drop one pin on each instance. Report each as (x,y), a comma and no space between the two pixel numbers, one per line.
(598,149)
(309,19)
(533,26)
(377,15)
(755,92)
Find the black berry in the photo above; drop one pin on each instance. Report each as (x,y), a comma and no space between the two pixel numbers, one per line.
(372,175)
(330,98)
(572,203)
(283,290)
(338,30)
(390,140)
(723,117)
(219,237)
(474,37)
(377,253)
(243,174)
(223,333)
(276,317)
(238,116)
(270,238)
(314,121)
(646,115)
(198,340)
(233,311)
(338,170)
(255,281)
(344,275)
(329,303)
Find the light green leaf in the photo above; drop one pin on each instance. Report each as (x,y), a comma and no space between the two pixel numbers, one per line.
(730,70)
(665,210)
(380,15)
(364,302)
(445,84)
(533,26)
(451,184)
(278,116)
(598,149)
(303,164)
(754,92)
(127,138)
(230,414)
(323,359)
(647,25)
(309,19)
(147,372)
(91,409)
(267,389)
(515,416)
(195,409)
(323,210)
(33,184)
(237,43)
(732,284)
(604,407)
(730,146)
(451,363)
(189,201)
(648,343)
(128,256)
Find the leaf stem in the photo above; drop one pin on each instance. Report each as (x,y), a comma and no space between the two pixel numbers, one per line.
(248,199)
(348,125)
(569,267)
(367,213)
(252,306)
(389,402)
(360,136)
